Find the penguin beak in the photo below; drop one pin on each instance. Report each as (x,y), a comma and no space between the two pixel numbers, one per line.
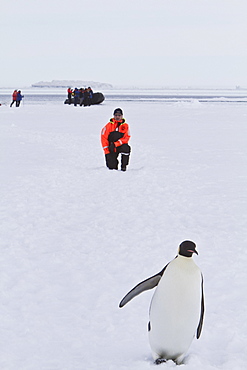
(193,251)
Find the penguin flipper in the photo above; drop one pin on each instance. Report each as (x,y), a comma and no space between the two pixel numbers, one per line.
(147,284)
(199,328)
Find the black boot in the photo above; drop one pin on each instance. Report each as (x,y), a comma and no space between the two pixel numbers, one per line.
(124,161)
(125,155)
(111,161)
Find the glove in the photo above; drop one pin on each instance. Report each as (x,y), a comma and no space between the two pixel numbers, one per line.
(112,147)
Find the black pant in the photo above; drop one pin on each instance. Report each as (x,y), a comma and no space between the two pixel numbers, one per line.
(111,158)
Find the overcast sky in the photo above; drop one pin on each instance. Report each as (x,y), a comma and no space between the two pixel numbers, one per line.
(124,42)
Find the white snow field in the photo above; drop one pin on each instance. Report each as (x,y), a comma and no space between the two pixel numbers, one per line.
(76,237)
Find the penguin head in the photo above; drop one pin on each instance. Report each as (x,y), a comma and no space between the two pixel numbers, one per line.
(187,248)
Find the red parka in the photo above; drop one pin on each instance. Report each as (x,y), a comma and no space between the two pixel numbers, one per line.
(114,125)
(14,95)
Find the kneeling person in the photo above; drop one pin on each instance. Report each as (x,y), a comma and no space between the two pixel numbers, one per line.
(114,139)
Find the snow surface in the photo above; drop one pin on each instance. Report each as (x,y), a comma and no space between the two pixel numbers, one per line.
(76,237)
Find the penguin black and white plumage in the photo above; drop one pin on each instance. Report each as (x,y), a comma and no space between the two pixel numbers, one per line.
(177,307)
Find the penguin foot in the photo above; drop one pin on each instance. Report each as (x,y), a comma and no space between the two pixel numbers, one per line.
(160,361)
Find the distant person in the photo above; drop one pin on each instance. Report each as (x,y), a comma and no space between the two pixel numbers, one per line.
(76,97)
(81,96)
(70,91)
(86,98)
(19,98)
(14,96)
(114,139)
(90,96)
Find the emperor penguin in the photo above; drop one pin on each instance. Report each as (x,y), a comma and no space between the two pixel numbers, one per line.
(177,307)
